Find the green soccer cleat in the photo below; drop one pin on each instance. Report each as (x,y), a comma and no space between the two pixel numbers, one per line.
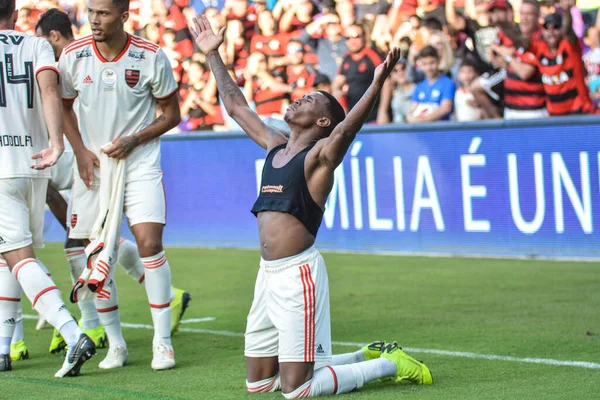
(98,336)
(178,306)
(18,351)
(408,368)
(373,350)
(58,344)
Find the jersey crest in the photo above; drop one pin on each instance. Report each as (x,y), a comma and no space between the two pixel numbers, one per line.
(132,77)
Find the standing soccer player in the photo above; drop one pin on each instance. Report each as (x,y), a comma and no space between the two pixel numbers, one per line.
(119,79)
(288,334)
(30,111)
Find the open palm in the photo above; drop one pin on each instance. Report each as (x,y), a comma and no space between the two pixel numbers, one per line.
(384,69)
(203,35)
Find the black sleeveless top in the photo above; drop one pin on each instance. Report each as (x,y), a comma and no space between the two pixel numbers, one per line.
(285,190)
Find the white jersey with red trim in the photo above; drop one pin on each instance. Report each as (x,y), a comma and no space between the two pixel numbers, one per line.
(23,130)
(117,98)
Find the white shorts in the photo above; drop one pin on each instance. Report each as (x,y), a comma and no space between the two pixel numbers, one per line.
(22,205)
(144,202)
(62,172)
(289,317)
(525,114)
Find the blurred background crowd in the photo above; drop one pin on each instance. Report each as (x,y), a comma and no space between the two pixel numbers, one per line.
(462,60)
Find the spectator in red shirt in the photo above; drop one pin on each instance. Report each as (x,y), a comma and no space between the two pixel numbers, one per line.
(298,75)
(558,58)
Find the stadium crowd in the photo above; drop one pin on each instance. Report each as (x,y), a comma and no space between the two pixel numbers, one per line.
(461,60)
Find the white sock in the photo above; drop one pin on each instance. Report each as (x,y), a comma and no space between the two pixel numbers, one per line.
(18,335)
(108,310)
(43,267)
(10,299)
(158,289)
(344,378)
(43,294)
(271,384)
(343,359)
(77,263)
(129,259)
(71,332)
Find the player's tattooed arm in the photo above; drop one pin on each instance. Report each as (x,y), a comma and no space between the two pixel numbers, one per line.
(333,149)
(233,98)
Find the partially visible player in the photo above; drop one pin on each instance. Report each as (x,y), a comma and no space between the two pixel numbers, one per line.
(288,333)
(55,26)
(119,79)
(30,112)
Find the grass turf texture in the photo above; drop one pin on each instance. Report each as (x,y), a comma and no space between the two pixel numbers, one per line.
(505,307)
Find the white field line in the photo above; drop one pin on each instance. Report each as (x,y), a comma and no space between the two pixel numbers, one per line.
(194,320)
(546,361)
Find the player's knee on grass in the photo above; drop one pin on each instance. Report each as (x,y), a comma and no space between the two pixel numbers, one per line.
(300,392)
(294,375)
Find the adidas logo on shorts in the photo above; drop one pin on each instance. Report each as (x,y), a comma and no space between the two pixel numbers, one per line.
(320,349)
(2,241)
(10,321)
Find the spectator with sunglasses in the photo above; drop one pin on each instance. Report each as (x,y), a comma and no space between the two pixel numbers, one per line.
(355,74)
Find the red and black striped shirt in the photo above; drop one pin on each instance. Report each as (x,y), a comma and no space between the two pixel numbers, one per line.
(563,78)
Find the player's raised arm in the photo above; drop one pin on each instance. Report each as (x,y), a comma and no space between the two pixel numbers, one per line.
(52,107)
(334,147)
(233,98)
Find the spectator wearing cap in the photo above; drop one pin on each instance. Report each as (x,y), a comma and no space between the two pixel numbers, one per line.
(523,99)
(558,58)
(324,36)
(356,73)
(433,98)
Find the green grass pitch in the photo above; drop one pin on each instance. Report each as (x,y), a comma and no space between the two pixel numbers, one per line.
(522,309)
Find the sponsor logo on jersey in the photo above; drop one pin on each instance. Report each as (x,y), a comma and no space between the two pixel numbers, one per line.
(272,189)
(137,55)
(132,77)
(88,80)
(83,54)
(109,77)
(73,220)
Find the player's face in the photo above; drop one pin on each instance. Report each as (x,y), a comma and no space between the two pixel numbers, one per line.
(529,19)
(106,19)
(56,48)
(430,66)
(306,110)
(552,35)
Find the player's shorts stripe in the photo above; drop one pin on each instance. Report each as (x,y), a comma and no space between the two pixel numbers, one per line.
(160,305)
(9,299)
(80,45)
(305,313)
(109,309)
(41,293)
(335,380)
(20,265)
(167,96)
(313,304)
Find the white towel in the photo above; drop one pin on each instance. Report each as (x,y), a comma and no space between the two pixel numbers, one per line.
(104,240)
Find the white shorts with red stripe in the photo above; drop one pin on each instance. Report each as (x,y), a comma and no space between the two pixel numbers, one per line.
(289,317)
(22,205)
(144,202)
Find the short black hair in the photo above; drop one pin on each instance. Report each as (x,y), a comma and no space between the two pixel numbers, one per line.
(469,63)
(431,23)
(7,8)
(123,5)
(55,20)
(336,111)
(428,51)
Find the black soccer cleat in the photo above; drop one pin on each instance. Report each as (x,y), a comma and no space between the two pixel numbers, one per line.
(5,363)
(76,356)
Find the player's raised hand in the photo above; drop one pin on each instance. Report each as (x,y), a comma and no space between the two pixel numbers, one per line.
(47,158)
(203,35)
(122,147)
(384,69)
(86,160)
